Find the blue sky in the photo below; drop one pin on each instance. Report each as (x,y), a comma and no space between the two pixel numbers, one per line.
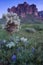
(4,4)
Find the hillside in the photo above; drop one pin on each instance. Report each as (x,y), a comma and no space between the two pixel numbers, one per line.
(28,52)
(31,19)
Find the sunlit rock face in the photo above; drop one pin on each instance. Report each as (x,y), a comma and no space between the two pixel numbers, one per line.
(12,22)
(24,9)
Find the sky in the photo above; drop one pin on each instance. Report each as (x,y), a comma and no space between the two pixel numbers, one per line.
(4,4)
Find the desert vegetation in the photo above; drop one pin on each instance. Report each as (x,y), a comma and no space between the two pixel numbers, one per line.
(23,47)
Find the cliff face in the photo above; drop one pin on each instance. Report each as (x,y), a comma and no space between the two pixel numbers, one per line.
(23,9)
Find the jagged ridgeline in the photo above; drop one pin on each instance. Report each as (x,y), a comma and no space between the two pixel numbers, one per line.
(28,13)
(23,9)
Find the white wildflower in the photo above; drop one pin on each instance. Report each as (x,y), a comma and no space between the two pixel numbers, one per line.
(11,44)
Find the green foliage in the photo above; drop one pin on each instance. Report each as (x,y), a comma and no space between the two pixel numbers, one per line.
(31,19)
(4,34)
(25,54)
(38,27)
(29,54)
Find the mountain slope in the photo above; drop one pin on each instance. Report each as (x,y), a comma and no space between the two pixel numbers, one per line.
(41,13)
(31,19)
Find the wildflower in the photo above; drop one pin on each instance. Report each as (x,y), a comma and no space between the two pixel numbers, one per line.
(33,49)
(23,39)
(13,58)
(11,44)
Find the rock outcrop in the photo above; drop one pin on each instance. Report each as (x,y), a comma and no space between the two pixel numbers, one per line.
(23,9)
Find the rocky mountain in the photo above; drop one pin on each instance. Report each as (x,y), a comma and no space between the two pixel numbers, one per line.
(23,9)
(28,13)
(40,13)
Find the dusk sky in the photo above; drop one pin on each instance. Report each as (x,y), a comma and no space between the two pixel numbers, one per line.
(4,4)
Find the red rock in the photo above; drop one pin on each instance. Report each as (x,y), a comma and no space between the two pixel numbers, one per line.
(23,9)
